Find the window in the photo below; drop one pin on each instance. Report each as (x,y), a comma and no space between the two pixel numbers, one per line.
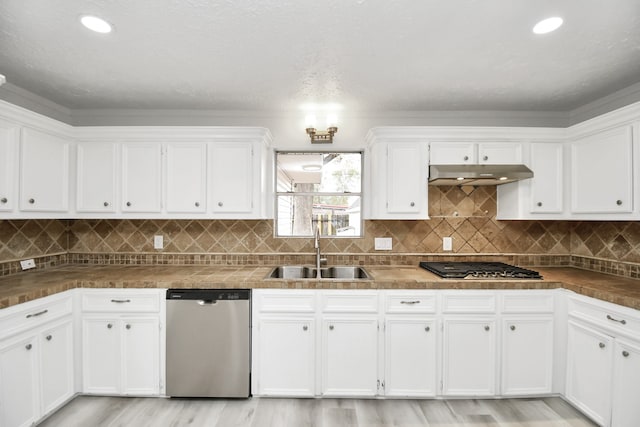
(318,190)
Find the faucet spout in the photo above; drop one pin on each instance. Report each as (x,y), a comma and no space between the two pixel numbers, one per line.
(319,259)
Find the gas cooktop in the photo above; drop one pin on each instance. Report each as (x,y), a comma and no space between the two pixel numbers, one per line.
(479,270)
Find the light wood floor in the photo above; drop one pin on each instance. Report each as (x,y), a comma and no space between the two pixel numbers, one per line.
(88,411)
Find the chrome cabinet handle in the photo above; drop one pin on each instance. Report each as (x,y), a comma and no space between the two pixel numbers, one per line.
(410,302)
(120,301)
(331,327)
(128,203)
(32,201)
(412,204)
(305,327)
(427,328)
(220,204)
(28,346)
(625,353)
(486,328)
(106,204)
(465,158)
(128,326)
(601,345)
(619,202)
(197,204)
(48,337)
(3,200)
(109,325)
(40,313)
(623,322)
(485,158)
(512,327)
(539,203)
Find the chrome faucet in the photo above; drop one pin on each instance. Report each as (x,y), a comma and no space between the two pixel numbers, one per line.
(319,259)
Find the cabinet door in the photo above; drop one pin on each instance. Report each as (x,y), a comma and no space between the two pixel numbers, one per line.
(101,355)
(547,181)
(56,366)
(287,357)
(452,153)
(8,171)
(499,153)
(232,174)
(469,358)
(602,172)
(527,356)
(589,366)
(186,178)
(18,383)
(44,177)
(626,388)
(96,177)
(349,356)
(410,357)
(406,178)
(140,356)
(141,177)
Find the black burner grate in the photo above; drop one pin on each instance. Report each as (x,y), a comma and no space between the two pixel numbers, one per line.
(479,270)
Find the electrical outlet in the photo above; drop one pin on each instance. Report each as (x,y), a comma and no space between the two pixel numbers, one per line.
(26,264)
(383,243)
(447,243)
(158,242)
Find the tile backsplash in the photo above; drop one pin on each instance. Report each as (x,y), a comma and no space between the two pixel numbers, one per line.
(468,218)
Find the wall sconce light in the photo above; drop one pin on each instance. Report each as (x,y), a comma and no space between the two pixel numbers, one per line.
(323,136)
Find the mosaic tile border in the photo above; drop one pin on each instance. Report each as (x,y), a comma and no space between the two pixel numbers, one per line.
(42,263)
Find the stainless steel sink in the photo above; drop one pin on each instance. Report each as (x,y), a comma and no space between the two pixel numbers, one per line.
(304,272)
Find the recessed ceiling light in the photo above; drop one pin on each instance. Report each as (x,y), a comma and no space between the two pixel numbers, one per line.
(96,24)
(311,168)
(547,25)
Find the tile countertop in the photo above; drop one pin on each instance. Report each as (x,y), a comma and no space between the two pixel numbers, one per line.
(23,287)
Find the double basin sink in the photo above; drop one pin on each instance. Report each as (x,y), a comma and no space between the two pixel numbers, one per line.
(305,272)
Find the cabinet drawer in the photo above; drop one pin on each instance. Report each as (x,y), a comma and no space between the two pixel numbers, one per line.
(285,301)
(522,301)
(405,302)
(469,302)
(349,302)
(118,301)
(609,316)
(34,313)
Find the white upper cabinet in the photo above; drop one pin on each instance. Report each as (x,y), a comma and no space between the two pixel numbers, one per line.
(546,162)
(96,177)
(8,162)
(232,177)
(602,172)
(397,172)
(461,153)
(44,177)
(186,177)
(141,177)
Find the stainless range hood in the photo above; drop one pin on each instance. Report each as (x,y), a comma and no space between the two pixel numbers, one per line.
(477,174)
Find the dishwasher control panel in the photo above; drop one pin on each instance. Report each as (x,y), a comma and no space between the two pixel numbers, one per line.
(209,294)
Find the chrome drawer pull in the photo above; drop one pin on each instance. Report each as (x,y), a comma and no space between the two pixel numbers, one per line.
(410,302)
(624,322)
(120,301)
(40,313)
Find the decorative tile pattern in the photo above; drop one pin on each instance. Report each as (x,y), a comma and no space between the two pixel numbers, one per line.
(21,239)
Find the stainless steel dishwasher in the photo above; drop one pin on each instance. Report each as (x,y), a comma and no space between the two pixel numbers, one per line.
(208,342)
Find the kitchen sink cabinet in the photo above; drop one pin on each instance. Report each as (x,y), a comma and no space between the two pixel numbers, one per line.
(44,172)
(96,169)
(602,172)
(141,178)
(469,356)
(8,161)
(398,179)
(349,355)
(287,356)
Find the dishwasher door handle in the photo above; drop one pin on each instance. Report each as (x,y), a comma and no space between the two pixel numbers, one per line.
(204,302)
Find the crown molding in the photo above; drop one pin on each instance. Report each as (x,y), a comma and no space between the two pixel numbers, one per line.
(30,101)
(615,101)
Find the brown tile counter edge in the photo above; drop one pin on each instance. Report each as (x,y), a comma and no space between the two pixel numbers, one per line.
(15,290)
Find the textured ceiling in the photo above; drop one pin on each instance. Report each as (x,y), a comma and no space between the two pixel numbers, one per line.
(271,55)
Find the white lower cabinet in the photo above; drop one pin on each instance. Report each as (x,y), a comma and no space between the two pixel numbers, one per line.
(626,379)
(287,356)
(469,356)
(410,356)
(527,355)
(36,373)
(349,355)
